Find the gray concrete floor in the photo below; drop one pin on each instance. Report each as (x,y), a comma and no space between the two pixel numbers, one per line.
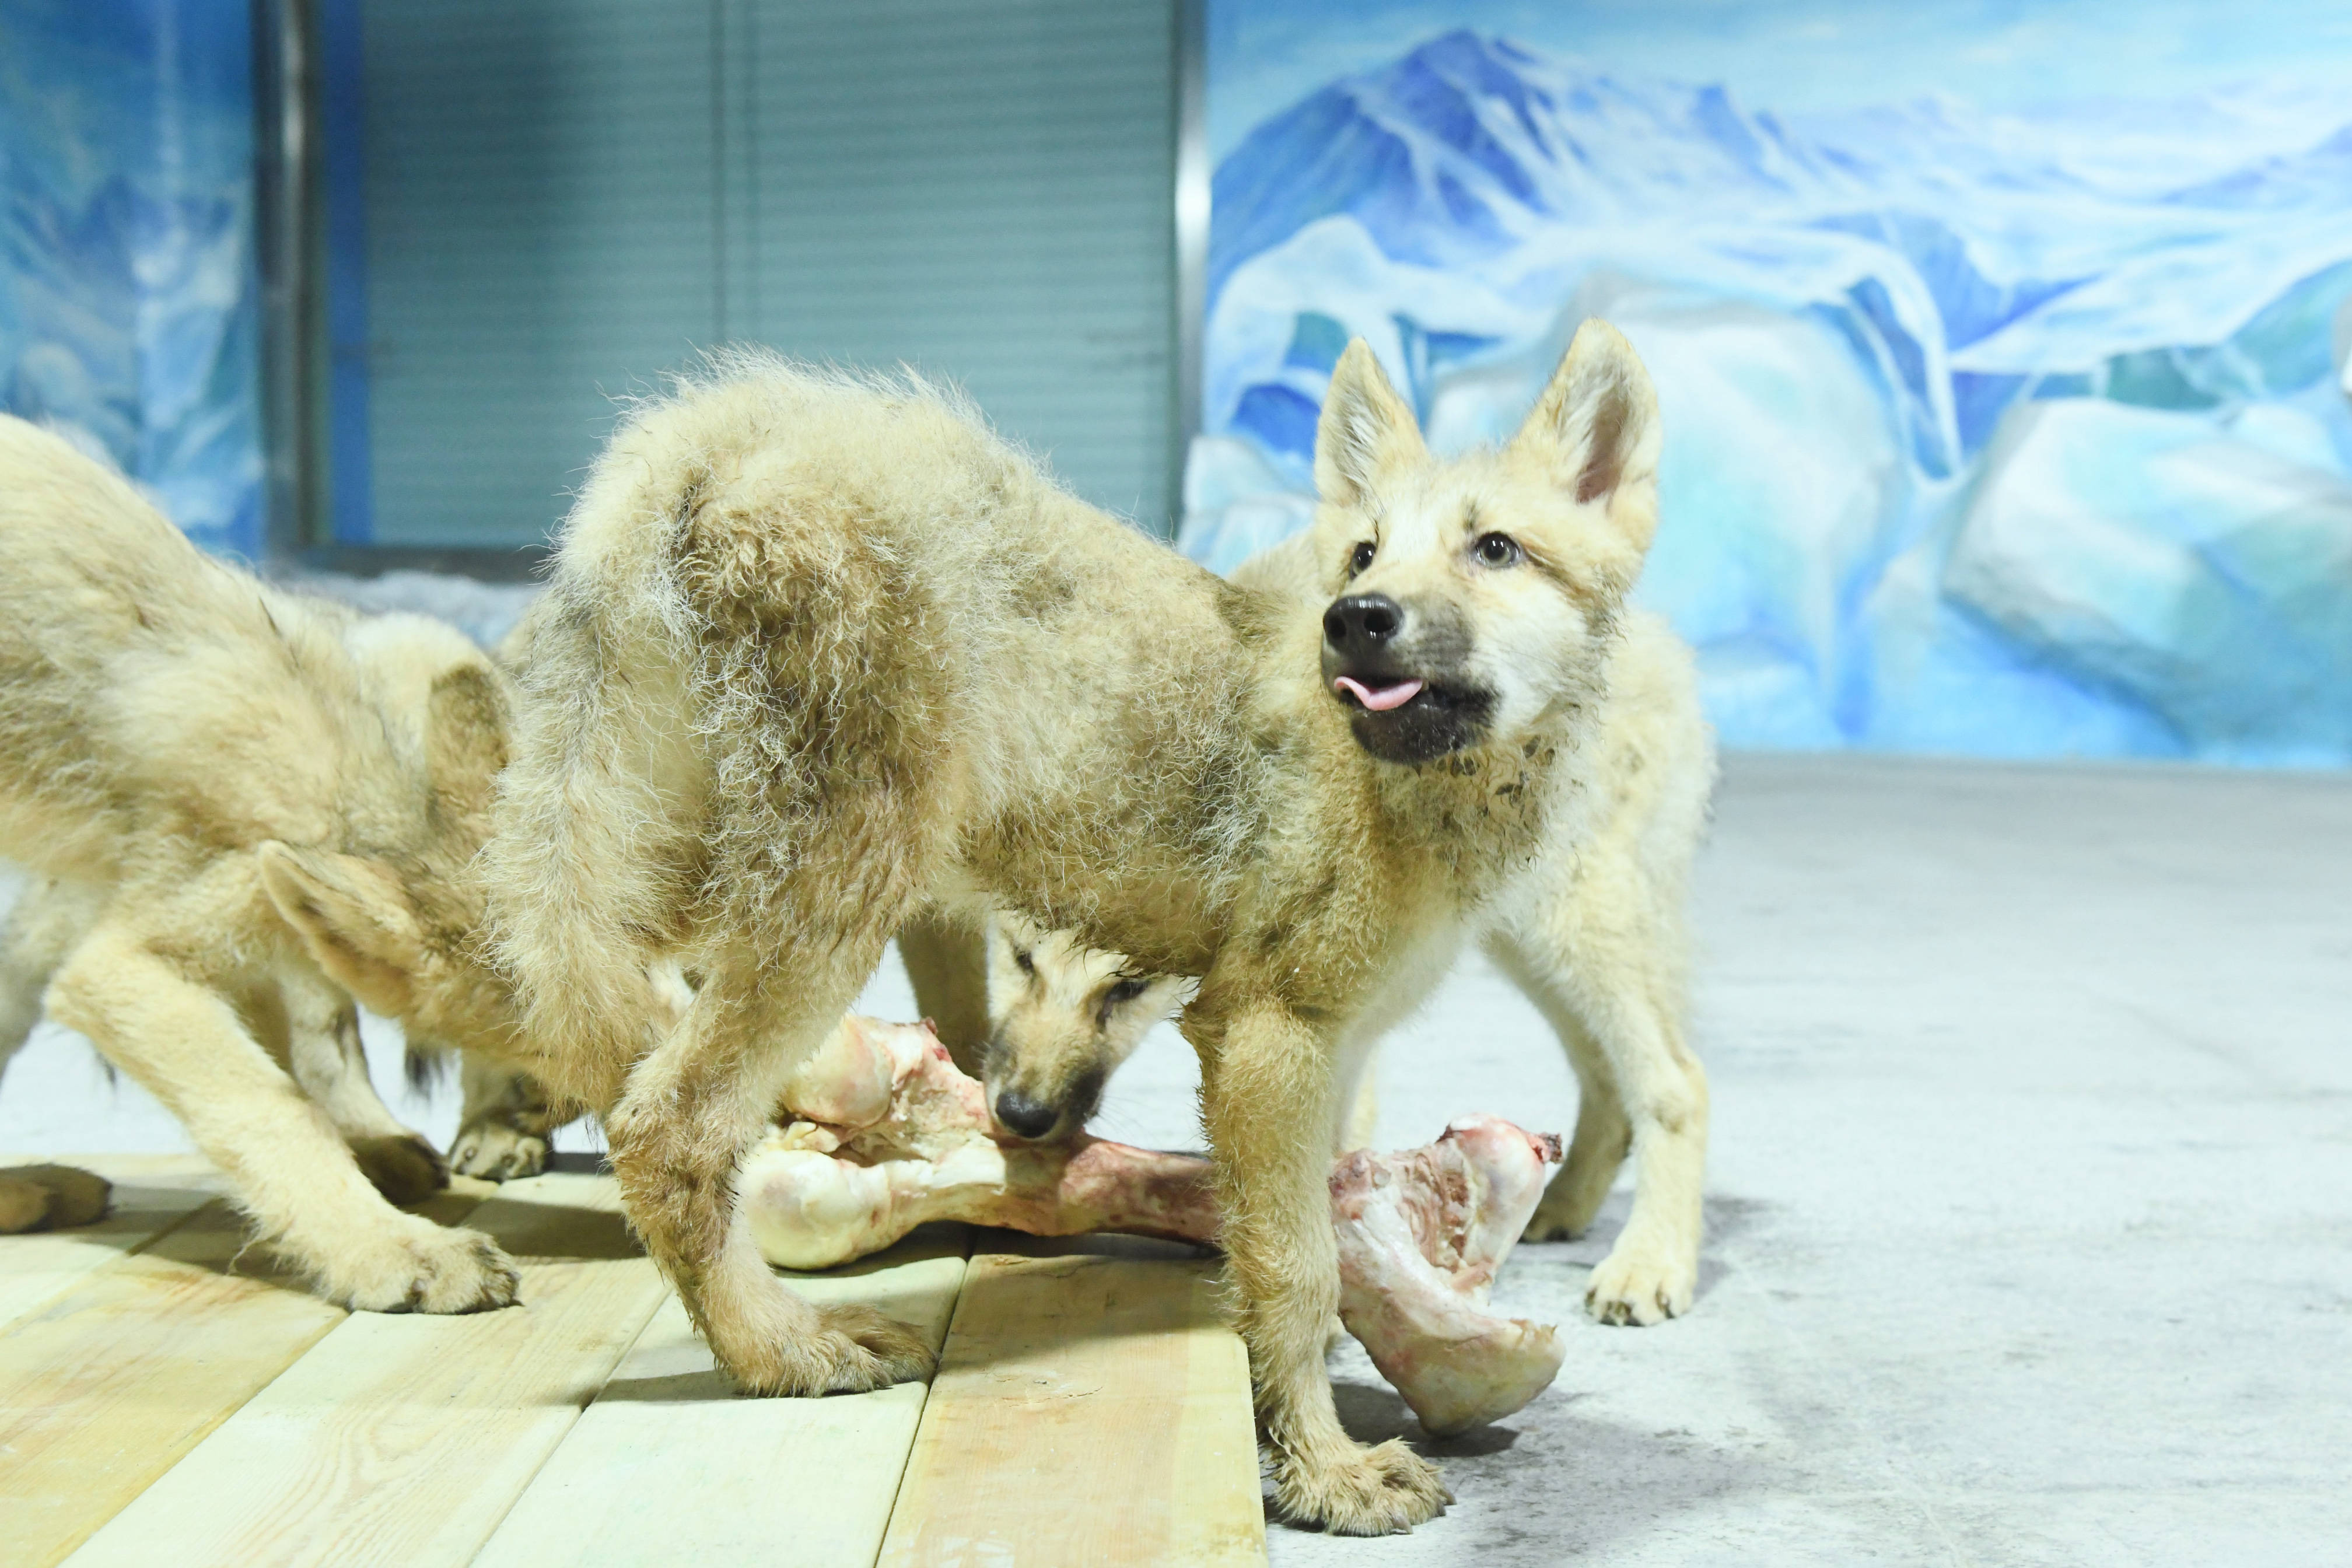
(2030,1233)
(2031,1219)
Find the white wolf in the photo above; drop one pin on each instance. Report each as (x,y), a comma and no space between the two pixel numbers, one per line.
(184,751)
(1594,936)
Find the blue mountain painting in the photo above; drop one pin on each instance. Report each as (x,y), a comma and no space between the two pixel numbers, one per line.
(130,295)
(2022,433)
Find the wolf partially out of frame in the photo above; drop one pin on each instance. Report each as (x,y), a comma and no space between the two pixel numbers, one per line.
(205,772)
(821,652)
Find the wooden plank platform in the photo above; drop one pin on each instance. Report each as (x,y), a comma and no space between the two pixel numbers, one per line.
(1091,1407)
(785,1482)
(105,1386)
(152,1194)
(165,1396)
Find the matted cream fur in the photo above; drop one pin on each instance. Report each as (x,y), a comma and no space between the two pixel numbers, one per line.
(819,652)
(1593,935)
(210,772)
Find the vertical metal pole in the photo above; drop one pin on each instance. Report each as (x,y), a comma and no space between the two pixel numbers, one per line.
(721,325)
(1191,235)
(286,153)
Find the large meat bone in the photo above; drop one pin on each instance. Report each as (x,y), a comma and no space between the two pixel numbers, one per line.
(1423,1234)
(885,1133)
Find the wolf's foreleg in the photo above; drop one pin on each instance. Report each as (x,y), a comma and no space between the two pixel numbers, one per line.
(1611,986)
(947,964)
(184,1043)
(323,1049)
(1604,1137)
(1267,1095)
(692,1110)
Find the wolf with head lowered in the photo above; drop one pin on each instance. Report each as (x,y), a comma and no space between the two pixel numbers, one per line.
(820,654)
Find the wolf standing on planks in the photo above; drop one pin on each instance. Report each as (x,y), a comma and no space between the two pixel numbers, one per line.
(818,650)
(213,770)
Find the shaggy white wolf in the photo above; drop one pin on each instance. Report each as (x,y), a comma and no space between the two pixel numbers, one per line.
(198,760)
(819,652)
(1593,934)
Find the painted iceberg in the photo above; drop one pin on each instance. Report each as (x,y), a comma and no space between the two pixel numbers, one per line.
(2014,435)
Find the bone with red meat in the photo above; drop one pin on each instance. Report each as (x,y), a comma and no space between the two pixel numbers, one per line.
(885,1134)
(1423,1234)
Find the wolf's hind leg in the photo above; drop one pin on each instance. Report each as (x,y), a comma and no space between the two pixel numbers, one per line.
(946,964)
(691,1111)
(48,918)
(1612,987)
(327,1059)
(292,1172)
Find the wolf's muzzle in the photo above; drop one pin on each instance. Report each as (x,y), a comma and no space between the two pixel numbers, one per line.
(1024,1116)
(1361,626)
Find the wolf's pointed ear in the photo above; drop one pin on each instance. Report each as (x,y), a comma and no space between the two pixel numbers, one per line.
(355,920)
(1366,428)
(1596,428)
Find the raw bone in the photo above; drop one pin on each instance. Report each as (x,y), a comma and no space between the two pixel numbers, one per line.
(885,1133)
(1422,1234)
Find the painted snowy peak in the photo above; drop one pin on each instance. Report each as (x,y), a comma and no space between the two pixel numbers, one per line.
(1465,143)
(1468,145)
(2019,433)
(129,292)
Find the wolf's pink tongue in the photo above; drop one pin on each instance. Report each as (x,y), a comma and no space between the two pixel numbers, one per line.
(1379,701)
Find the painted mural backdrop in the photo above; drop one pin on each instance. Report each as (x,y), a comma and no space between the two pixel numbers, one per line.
(2002,349)
(129,287)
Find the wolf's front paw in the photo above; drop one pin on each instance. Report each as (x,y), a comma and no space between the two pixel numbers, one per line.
(1643,1283)
(405,1170)
(422,1268)
(1381,1490)
(50,1197)
(853,1349)
(497,1153)
(23,1205)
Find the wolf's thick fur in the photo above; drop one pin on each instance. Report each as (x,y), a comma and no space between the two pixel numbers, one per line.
(216,771)
(1594,937)
(818,651)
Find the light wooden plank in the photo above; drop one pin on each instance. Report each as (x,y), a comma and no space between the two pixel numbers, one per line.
(1088,1409)
(108,1384)
(405,1439)
(670,1466)
(152,1194)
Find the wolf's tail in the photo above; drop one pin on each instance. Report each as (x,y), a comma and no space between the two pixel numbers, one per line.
(580,864)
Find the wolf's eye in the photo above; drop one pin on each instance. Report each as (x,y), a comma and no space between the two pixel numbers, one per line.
(1497,550)
(1125,990)
(1362,557)
(1027,965)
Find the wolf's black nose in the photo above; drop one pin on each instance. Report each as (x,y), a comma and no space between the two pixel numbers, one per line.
(1024,1117)
(1362,622)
